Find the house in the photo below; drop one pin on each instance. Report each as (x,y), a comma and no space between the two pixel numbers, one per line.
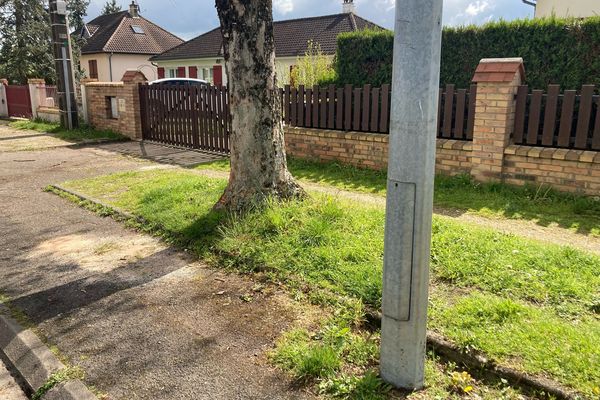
(125,40)
(563,8)
(202,57)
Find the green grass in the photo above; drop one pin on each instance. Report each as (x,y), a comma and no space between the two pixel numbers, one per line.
(539,204)
(529,305)
(82,134)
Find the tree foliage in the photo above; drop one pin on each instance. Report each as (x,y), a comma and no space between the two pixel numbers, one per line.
(77,11)
(111,7)
(314,68)
(25,45)
(565,52)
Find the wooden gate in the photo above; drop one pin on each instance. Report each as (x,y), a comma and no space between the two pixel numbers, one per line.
(19,101)
(195,117)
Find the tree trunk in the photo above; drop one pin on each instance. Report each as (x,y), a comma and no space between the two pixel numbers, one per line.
(258,161)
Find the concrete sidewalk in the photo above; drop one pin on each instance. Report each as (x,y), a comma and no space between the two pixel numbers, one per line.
(142,319)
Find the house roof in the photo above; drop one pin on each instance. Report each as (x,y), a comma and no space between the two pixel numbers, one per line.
(291,37)
(114,33)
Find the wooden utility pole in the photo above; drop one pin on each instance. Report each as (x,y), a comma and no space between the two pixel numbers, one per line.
(61,46)
(415,86)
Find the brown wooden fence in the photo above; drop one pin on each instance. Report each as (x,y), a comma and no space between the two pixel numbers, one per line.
(367,109)
(568,120)
(188,116)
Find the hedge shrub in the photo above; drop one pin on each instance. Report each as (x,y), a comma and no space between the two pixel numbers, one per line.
(566,52)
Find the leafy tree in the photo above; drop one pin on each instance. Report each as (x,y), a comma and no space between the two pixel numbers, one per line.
(314,68)
(25,45)
(77,11)
(111,7)
(258,162)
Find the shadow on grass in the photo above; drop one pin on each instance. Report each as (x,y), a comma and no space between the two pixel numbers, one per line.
(459,194)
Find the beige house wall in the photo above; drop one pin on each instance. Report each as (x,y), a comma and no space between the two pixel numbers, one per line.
(120,64)
(570,8)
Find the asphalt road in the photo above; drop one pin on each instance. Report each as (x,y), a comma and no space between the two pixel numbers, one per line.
(143,320)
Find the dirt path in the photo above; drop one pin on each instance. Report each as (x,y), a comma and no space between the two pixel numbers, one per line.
(143,320)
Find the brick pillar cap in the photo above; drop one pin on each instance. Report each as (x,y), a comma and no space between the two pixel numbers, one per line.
(88,80)
(133,75)
(35,81)
(500,70)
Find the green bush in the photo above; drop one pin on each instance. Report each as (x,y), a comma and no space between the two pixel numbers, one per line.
(561,51)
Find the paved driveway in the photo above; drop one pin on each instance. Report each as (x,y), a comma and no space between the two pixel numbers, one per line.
(143,320)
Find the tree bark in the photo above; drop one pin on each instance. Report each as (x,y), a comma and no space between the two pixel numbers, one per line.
(258,161)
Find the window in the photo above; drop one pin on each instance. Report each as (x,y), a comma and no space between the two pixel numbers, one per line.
(112,107)
(207,74)
(172,73)
(138,29)
(93,65)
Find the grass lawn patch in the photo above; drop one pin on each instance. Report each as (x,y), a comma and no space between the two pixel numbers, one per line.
(540,204)
(532,306)
(82,134)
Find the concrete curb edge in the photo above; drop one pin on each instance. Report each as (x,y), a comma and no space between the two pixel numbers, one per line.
(32,361)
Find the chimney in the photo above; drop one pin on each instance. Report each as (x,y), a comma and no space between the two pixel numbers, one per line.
(134,9)
(348,7)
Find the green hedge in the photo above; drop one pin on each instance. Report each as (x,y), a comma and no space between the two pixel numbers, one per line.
(566,52)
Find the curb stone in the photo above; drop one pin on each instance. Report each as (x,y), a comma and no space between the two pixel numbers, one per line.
(30,359)
(72,390)
(435,342)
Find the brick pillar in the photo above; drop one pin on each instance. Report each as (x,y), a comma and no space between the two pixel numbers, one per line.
(129,106)
(497,82)
(37,94)
(3,101)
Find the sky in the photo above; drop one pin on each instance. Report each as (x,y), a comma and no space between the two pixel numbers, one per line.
(190,18)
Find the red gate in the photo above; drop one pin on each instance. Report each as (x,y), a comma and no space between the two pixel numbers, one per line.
(19,101)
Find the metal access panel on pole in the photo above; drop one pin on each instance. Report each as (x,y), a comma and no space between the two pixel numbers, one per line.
(411,168)
(61,46)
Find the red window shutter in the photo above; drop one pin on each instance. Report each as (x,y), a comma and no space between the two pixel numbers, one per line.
(218,75)
(161,73)
(181,72)
(193,71)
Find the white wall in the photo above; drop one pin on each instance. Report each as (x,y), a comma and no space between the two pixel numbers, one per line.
(570,8)
(282,67)
(120,63)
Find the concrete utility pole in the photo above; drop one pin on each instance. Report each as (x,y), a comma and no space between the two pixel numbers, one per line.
(415,88)
(61,45)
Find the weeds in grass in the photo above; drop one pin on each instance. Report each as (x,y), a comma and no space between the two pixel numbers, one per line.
(513,299)
(83,133)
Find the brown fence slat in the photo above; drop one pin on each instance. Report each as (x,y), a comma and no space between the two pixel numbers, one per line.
(315,111)
(585,114)
(323,108)
(331,107)
(293,107)
(385,108)
(439,114)
(366,93)
(596,135)
(566,118)
(221,120)
(348,107)
(308,122)
(286,104)
(300,106)
(448,108)
(357,109)
(471,115)
(459,125)
(550,115)
(339,112)
(374,110)
(521,108)
(535,111)
(195,117)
